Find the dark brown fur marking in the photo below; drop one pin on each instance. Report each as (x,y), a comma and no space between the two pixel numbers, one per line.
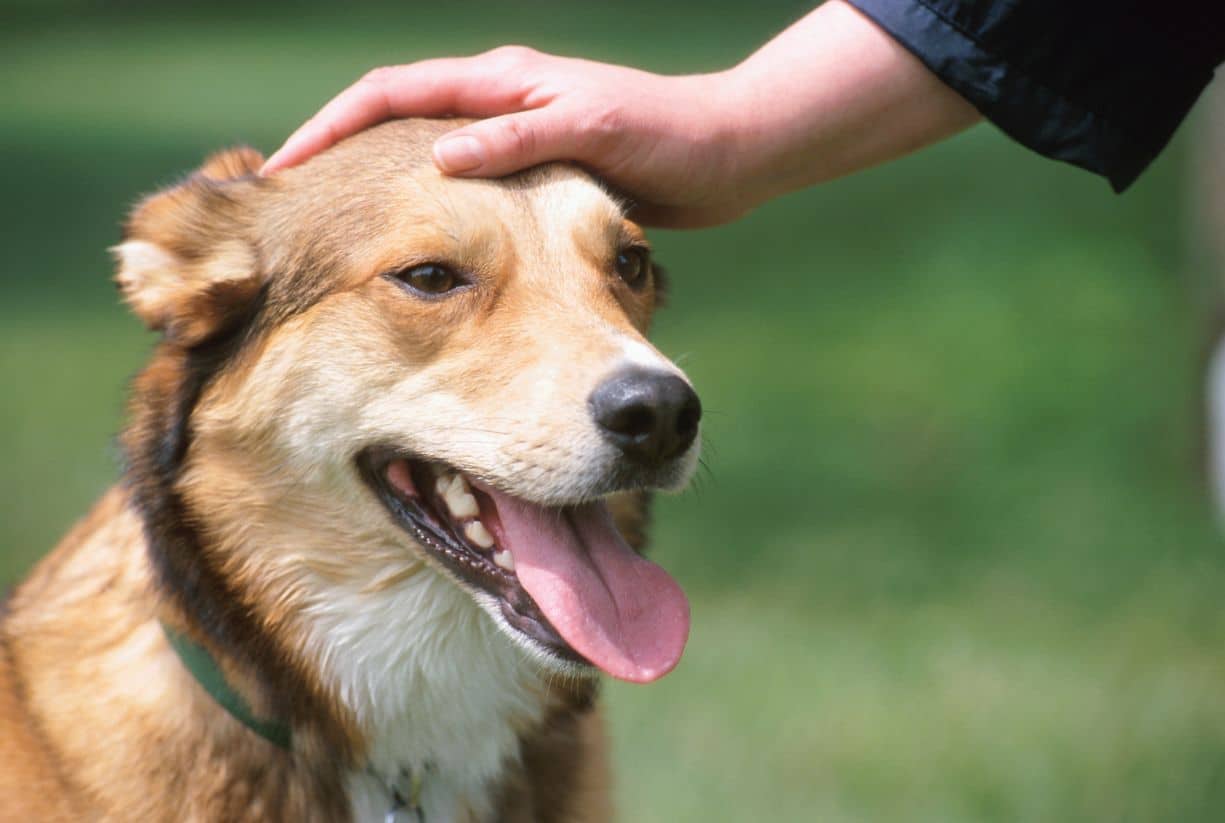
(156,445)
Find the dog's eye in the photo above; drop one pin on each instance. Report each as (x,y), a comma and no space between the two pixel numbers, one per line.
(428,279)
(632,266)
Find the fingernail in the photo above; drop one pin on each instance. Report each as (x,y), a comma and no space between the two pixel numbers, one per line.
(459,154)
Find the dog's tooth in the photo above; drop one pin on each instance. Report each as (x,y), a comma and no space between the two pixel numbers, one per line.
(463,505)
(460,502)
(442,483)
(504,559)
(476,532)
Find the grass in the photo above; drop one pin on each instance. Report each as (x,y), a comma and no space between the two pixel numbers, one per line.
(951,559)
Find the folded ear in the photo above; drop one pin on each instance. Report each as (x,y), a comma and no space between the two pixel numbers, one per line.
(186,264)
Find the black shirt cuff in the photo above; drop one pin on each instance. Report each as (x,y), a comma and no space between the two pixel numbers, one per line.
(1049,87)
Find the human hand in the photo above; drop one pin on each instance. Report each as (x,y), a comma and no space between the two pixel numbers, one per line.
(668,143)
(830,95)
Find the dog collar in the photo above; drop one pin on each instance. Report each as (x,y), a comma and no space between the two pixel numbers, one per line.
(404,793)
(197,660)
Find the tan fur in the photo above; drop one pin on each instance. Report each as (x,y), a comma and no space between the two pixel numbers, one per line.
(98,718)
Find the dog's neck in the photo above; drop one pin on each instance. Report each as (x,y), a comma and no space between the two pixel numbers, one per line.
(433,686)
(430,686)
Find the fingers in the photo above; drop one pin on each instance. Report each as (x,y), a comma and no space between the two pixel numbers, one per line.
(362,104)
(506,144)
(491,83)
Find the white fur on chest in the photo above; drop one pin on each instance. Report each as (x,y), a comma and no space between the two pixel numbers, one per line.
(437,687)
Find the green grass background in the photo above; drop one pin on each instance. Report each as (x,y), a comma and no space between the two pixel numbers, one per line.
(951,560)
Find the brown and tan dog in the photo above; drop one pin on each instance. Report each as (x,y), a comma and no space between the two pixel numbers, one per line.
(362,565)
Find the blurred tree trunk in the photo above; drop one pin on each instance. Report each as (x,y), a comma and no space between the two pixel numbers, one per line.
(1207,169)
(1208,184)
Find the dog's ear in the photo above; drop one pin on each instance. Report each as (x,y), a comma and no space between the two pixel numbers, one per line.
(186,266)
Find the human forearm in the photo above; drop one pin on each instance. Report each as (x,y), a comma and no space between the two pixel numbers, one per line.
(831,95)
(828,96)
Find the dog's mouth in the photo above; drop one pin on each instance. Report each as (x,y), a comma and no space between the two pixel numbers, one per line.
(560,575)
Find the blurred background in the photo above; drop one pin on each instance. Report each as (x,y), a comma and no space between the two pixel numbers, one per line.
(953,558)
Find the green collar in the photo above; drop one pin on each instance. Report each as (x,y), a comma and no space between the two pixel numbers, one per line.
(204,668)
(405,792)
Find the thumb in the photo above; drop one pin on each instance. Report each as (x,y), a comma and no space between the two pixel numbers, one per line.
(506,144)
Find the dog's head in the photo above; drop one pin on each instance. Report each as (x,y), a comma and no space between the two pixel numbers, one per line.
(370,372)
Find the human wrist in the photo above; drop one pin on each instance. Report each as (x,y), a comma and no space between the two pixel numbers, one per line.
(736,141)
(759,133)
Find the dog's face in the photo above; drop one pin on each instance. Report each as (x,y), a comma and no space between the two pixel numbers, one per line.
(411,368)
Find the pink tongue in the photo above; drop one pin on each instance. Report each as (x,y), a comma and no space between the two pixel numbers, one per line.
(619,610)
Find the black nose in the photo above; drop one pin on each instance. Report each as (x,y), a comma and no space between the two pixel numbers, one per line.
(652,416)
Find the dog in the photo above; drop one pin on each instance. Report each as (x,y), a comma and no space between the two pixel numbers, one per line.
(372,544)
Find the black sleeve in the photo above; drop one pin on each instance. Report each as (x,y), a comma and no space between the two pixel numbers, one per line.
(1101,84)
